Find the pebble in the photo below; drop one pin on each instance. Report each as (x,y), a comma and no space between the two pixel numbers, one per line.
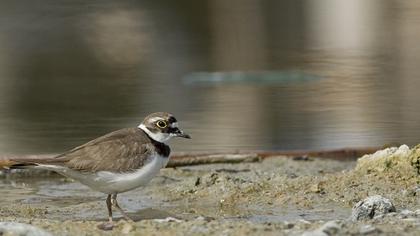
(367,229)
(314,233)
(127,228)
(12,228)
(331,227)
(205,218)
(168,219)
(304,221)
(405,214)
(417,190)
(327,229)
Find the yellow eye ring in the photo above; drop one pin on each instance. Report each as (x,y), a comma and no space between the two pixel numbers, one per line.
(161,124)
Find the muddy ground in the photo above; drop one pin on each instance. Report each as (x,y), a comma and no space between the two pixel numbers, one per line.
(276,196)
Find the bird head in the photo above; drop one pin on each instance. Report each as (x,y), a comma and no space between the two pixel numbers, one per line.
(161,127)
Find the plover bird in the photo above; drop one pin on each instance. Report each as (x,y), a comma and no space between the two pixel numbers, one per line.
(116,162)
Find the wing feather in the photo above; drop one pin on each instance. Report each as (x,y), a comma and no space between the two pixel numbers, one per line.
(120,151)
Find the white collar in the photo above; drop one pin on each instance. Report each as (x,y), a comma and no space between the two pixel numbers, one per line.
(159,137)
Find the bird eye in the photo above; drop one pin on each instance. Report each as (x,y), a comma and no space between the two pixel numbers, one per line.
(161,124)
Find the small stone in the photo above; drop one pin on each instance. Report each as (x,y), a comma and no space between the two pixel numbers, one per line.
(380,216)
(304,221)
(197,181)
(367,229)
(410,219)
(168,219)
(317,188)
(289,225)
(205,218)
(392,214)
(330,228)
(106,226)
(417,191)
(314,233)
(407,212)
(12,228)
(200,218)
(327,229)
(371,207)
(208,179)
(302,158)
(314,188)
(127,228)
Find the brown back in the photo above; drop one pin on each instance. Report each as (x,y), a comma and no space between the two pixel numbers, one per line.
(119,151)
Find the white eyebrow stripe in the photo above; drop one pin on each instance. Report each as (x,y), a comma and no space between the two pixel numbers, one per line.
(153,120)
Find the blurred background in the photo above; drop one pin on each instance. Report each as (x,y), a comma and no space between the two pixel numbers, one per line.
(238,74)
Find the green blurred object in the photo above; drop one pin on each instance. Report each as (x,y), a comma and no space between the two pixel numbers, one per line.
(258,77)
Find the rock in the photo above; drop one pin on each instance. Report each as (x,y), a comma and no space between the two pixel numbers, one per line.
(367,229)
(302,158)
(168,219)
(205,218)
(331,227)
(417,190)
(303,221)
(402,161)
(289,225)
(127,228)
(327,229)
(371,207)
(106,226)
(380,216)
(317,187)
(13,228)
(314,233)
(406,213)
(208,179)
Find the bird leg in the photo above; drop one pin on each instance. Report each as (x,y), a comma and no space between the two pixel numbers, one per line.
(109,206)
(108,225)
(115,204)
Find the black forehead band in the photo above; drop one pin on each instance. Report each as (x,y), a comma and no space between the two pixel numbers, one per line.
(172,119)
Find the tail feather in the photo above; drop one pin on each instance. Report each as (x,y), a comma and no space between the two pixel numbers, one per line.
(9,164)
(21,166)
(6,164)
(21,162)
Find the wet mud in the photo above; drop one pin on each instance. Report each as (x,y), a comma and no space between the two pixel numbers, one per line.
(276,196)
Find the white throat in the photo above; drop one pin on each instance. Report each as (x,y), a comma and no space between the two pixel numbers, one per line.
(159,137)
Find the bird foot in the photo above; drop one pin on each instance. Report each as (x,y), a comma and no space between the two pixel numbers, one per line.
(106,226)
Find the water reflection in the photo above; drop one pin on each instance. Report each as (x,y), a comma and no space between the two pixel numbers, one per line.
(72,71)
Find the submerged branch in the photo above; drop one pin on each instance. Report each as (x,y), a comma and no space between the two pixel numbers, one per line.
(188,159)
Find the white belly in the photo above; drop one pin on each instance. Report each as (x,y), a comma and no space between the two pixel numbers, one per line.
(110,182)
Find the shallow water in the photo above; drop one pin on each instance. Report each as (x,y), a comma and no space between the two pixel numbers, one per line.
(54,194)
(50,196)
(238,75)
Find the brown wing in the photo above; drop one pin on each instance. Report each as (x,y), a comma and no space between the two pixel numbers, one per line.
(120,151)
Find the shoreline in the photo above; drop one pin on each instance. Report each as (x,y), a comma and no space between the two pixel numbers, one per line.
(273,196)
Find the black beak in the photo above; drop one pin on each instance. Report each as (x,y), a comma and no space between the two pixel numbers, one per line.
(180,133)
